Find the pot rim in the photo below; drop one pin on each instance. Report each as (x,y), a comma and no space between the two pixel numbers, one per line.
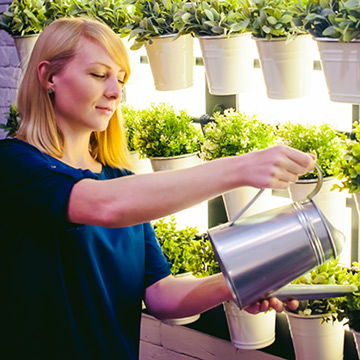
(174,157)
(306,317)
(334,40)
(220,37)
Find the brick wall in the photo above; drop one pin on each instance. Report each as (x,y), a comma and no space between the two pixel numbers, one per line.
(9,70)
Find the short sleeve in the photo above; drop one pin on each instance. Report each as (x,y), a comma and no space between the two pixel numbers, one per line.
(156,265)
(33,187)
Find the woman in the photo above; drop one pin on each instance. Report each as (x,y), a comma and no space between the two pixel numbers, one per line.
(77,252)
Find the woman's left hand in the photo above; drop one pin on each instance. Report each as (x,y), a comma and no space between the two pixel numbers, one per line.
(273,303)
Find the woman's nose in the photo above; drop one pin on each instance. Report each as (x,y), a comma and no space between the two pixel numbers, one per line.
(113,88)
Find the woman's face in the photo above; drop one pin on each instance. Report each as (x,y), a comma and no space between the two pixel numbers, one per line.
(87,90)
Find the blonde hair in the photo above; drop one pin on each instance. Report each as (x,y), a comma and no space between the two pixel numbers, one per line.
(58,44)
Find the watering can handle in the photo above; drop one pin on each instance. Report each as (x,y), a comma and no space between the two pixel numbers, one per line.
(310,196)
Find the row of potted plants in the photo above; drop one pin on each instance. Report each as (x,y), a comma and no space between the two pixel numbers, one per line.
(223,28)
(317,326)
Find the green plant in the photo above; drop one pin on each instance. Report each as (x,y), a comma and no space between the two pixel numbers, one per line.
(350,307)
(163,132)
(322,140)
(333,18)
(234,133)
(329,273)
(151,18)
(114,13)
(24,17)
(131,117)
(13,121)
(176,244)
(277,18)
(348,166)
(212,17)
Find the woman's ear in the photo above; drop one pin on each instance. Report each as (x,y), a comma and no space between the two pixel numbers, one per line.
(43,72)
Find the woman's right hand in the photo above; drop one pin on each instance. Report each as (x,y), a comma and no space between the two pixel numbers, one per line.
(275,167)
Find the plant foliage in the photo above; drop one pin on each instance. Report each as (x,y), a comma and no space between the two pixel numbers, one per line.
(348,166)
(277,18)
(163,132)
(13,121)
(323,141)
(334,19)
(235,133)
(212,18)
(131,117)
(330,273)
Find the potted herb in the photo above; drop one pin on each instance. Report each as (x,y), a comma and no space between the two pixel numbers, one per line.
(247,331)
(235,133)
(177,245)
(334,26)
(316,330)
(168,137)
(227,50)
(170,55)
(285,57)
(131,117)
(325,142)
(348,166)
(13,121)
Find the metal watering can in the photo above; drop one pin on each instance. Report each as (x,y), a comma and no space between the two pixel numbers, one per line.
(264,252)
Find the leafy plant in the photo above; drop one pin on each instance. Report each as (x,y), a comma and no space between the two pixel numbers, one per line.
(176,244)
(114,13)
(13,121)
(330,273)
(163,132)
(131,117)
(348,166)
(350,307)
(234,133)
(24,17)
(212,18)
(277,18)
(323,141)
(151,18)
(333,18)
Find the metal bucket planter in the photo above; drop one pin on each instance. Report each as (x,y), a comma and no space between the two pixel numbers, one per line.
(329,202)
(171,61)
(357,341)
(249,331)
(141,166)
(24,46)
(175,162)
(287,67)
(313,340)
(235,200)
(228,62)
(341,67)
(357,201)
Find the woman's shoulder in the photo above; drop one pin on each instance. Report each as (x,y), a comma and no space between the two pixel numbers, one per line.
(112,172)
(13,145)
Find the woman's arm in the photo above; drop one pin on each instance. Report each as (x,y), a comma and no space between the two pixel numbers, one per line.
(136,199)
(181,297)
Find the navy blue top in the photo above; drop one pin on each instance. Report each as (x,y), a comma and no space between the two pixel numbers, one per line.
(67,291)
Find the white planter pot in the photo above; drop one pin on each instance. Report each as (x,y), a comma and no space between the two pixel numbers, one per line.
(357,201)
(287,67)
(313,340)
(141,166)
(235,200)
(171,62)
(175,162)
(249,331)
(24,46)
(228,63)
(341,67)
(329,202)
(185,320)
(357,341)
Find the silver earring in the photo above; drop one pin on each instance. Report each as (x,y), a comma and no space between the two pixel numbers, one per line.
(50,91)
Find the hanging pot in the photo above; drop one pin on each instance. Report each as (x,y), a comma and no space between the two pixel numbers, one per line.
(175,162)
(24,45)
(171,61)
(264,252)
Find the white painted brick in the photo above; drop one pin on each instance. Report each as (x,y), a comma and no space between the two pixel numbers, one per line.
(7,96)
